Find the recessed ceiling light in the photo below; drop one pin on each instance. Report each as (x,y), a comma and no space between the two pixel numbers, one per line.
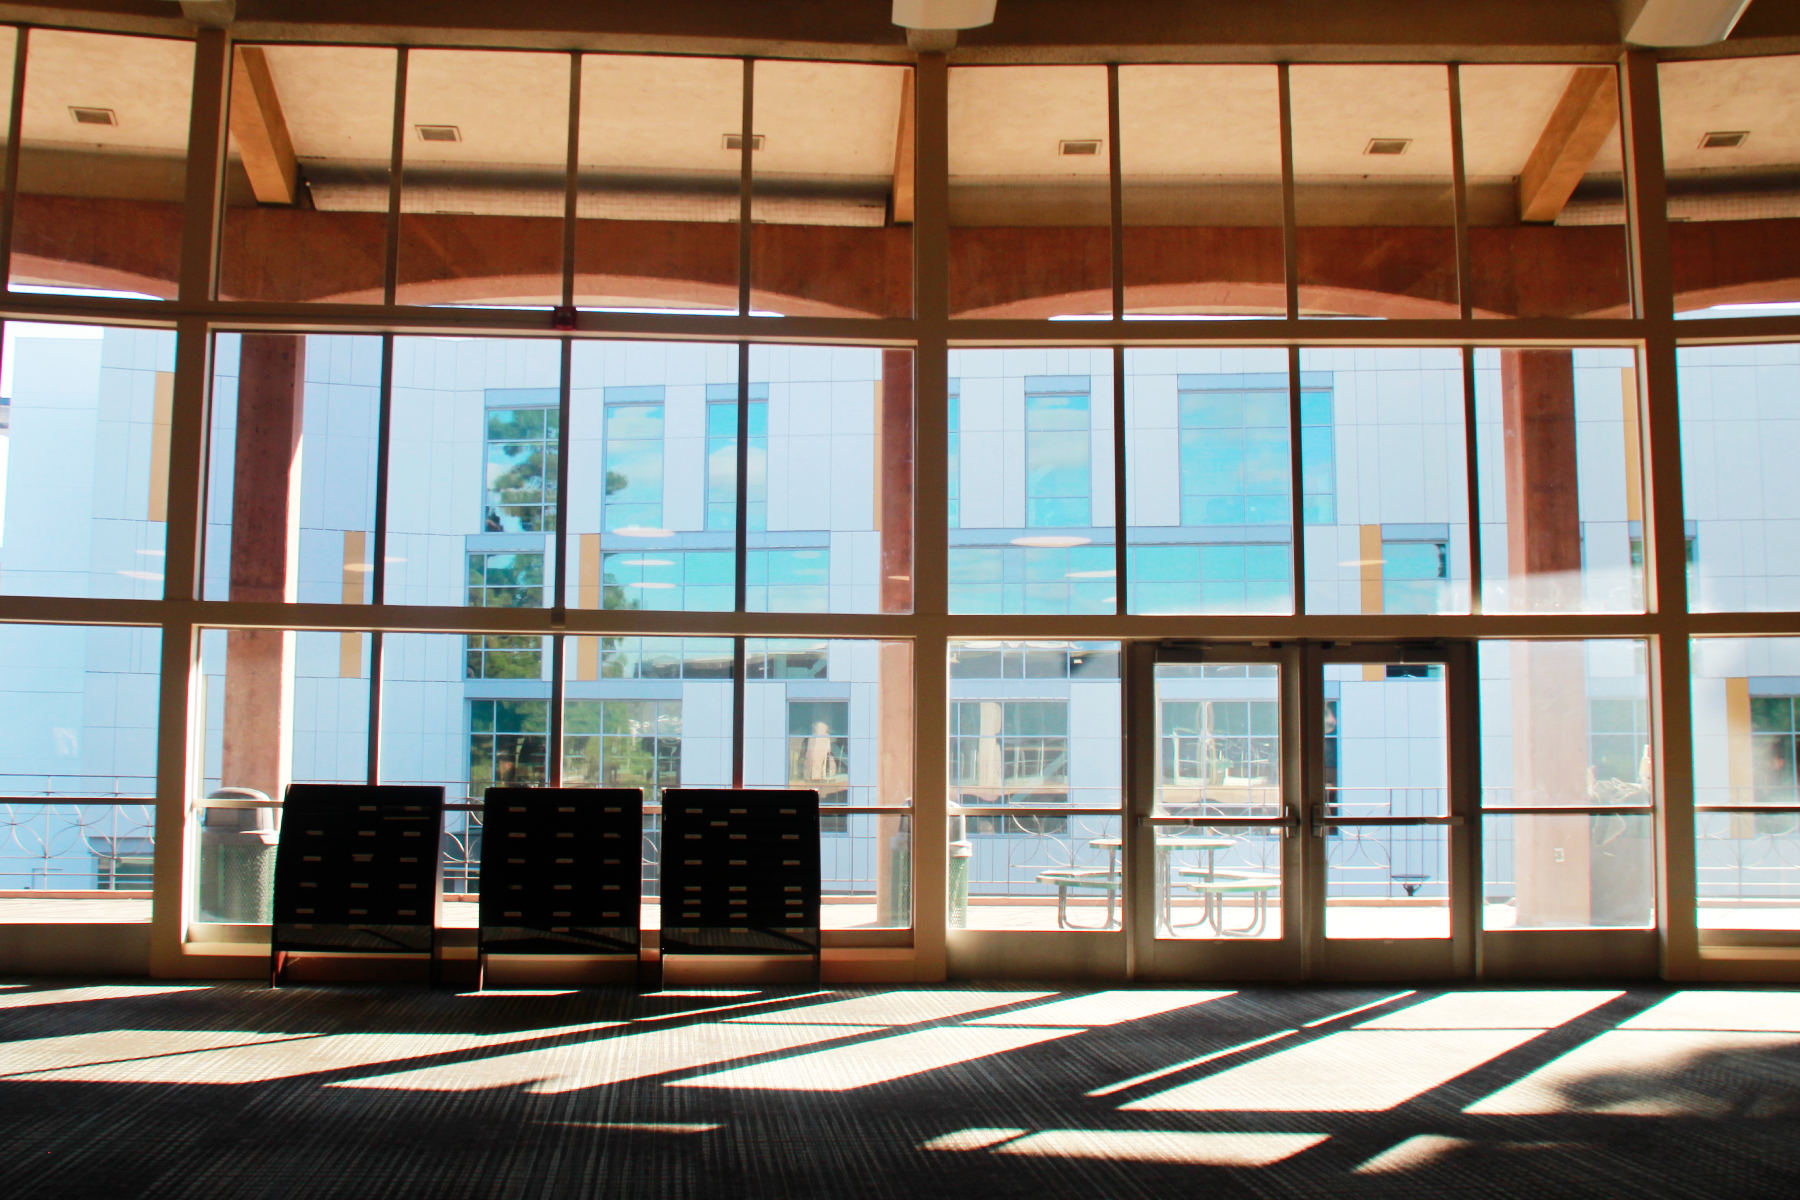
(439,133)
(1079,146)
(1387,146)
(1050,541)
(93,116)
(735,141)
(1724,140)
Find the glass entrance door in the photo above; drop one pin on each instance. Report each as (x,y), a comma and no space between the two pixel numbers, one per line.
(1389,847)
(1299,812)
(1216,858)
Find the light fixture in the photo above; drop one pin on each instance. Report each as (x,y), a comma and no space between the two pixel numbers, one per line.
(1387,146)
(643,531)
(439,133)
(93,116)
(735,141)
(1050,541)
(943,14)
(1077,146)
(1724,140)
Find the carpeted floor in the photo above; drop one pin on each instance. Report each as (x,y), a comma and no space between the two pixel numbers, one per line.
(139,1089)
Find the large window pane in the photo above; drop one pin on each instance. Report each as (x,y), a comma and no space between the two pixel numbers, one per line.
(833,189)
(1566,725)
(279,707)
(836,717)
(1730,151)
(85,460)
(650,522)
(1030,198)
(1740,435)
(830,480)
(102,163)
(306,191)
(1561,480)
(485,177)
(657,213)
(79,737)
(471,502)
(648,713)
(1208,482)
(1200,157)
(1034,728)
(1546,188)
(1387,504)
(1031,452)
(276,398)
(1372,191)
(1747,863)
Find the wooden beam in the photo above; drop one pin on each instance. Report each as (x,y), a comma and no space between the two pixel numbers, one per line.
(259,131)
(1584,117)
(903,155)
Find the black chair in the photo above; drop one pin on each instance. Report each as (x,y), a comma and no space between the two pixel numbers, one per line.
(561,872)
(740,872)
(358,871)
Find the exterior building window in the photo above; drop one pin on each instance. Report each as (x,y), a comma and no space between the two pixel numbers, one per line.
(508,744)
(521,470)
(1058,483)
(1077,660)
(634,458)
(721,457)
(623,743)
(668,580)
(665,658)
(788,580)
(1235,453)
(1220,743)
(1692,547)
(819,755)
(954,475)
(1619,750)
(1010,751)
(505,581)
(1414,577)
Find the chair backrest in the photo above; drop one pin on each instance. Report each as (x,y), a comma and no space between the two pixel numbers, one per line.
(358,868)
(740,871)
(561,870)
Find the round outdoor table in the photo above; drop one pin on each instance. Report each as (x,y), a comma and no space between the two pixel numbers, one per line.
(1164,880)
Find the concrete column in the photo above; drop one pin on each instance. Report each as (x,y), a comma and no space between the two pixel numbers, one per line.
(1549,679)
(265,543)
(894,475)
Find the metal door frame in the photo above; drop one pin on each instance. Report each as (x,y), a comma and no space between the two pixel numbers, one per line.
(1303,952)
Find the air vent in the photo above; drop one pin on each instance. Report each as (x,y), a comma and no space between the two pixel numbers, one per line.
(735,141)
(93,116)
(439,133)
(1079,146)
(1729,140)
(1387,146)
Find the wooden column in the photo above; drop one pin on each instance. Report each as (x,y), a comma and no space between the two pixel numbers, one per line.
(894,471)
(265,544)
(1551,853)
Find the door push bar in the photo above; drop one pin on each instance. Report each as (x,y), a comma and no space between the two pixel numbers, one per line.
(1288,822)
(1321,823)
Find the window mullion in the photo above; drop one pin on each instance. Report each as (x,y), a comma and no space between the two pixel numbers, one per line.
(1289,213)
(1296,482)
(14,130)
(396,161)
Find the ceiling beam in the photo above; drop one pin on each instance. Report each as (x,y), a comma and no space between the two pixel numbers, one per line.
(903,154)
(260,132)
(1584,117)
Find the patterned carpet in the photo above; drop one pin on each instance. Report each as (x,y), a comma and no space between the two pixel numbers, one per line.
(176,1090)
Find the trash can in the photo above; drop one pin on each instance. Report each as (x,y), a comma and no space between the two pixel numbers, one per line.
(237,859)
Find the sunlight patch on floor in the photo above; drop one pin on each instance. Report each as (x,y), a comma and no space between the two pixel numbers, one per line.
(1102,1008)
(1761,1012)
(1359,1070)
(896,1008)
(1412,1154)
(1156,1146)
(880,1061)
(603,1061)
(1492,1010)
(1656,1073)
(26,997)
